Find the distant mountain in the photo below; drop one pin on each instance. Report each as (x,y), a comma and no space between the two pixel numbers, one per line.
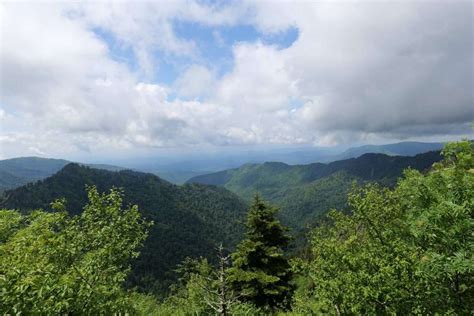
(305,191)
(190,220)
(16,172)
(178,176)
(397,149)
(182,167)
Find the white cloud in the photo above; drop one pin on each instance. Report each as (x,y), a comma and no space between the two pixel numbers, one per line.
(259,80)
(196,81)
(396,69)
(358,71)
(147,27)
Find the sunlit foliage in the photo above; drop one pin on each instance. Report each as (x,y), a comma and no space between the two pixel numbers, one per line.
(53,264)
(406,250)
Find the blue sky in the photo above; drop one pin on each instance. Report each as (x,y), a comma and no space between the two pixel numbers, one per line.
(214,48)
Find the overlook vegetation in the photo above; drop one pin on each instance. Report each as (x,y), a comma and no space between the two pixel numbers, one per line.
(405,251)
(51,263)
(406,248)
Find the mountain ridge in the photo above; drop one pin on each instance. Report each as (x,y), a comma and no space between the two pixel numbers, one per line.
(190,220)
(305,192)
(19,171)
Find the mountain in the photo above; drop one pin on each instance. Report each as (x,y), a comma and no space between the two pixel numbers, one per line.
(306,191)
(19,171)
(190,220)
(178,176)
(180,167)
(16,172)
(397,149)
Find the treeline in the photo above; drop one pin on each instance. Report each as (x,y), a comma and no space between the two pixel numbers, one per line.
(401,250)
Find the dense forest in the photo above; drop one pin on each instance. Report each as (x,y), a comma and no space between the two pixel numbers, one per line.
(398,246)
(305,192)
(190,220)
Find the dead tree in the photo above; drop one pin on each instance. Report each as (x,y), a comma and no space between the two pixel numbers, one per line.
(218,294)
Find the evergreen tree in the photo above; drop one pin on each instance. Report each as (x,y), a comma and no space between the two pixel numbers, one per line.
(260,271)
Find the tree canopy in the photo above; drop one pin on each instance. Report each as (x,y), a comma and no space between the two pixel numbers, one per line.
(406,250)
(51,263)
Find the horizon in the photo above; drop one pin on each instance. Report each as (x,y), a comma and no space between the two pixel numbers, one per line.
(172,162)
(183,79)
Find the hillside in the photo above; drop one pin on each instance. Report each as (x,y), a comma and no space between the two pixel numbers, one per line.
(16,172)
(397,149)
(305,191)
(190,220)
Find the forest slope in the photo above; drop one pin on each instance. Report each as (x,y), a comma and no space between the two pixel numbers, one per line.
(306,191)
(190,220)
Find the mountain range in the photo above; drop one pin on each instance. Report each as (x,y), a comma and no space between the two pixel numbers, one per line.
(191,219)
(19,171)
(397,149)
(303,192)
(179,168)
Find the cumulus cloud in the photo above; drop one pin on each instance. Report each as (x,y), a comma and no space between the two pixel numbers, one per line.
(357,71)
(196,81)
(259,79)
(395,68)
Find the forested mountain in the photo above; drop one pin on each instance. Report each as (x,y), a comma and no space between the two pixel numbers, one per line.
(16,172)
(180,167)
(397,149)
(306,191)
(19,171)
(190,220)
(398,250)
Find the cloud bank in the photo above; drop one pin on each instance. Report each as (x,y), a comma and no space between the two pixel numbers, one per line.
(93,76)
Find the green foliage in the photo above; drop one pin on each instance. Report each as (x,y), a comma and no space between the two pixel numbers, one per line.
(402,251)
(191,220)
(260,271)
(53,264)
(188,295)
(304,192)
(405,250)
(197,285)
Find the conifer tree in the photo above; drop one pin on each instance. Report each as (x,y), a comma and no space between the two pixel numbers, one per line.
(260,271)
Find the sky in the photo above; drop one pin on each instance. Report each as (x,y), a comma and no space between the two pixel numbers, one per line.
(79,79)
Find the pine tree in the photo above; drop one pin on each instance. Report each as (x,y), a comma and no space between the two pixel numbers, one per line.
(260,271)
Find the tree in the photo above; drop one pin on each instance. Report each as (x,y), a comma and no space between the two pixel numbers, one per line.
(217,293)
(406,250)
(204,290)
(260,272)
(53,264)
